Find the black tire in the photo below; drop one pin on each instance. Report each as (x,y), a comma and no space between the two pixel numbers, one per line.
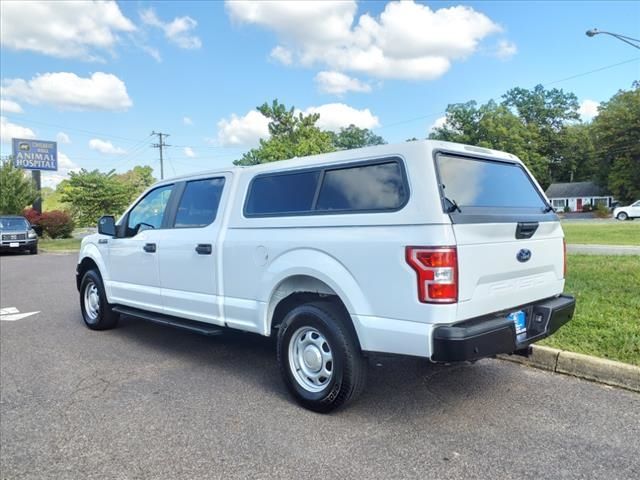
(622,216)
(96,315)
(33,250)
(347,365)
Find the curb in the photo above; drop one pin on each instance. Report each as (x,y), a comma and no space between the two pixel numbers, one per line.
(596,369)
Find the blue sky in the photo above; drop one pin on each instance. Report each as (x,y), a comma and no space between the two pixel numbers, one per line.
(390,67)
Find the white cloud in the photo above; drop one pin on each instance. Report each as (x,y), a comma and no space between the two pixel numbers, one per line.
(243,131)
(407,40)
(100,91)
(506,49)
(10,130)
(178,31)
(62,137)
(438,123)
(246,131)
(334,116)
(187,121)
(106,147)
(283,55)
(65,165)
(9,106)
(153,52)
(338,83)
(63,29)
(188,151)
(588,109)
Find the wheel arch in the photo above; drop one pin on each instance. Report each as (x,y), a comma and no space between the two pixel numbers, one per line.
(321,278)
(90,259)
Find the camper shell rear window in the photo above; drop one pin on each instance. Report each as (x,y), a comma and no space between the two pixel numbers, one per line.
(482,190)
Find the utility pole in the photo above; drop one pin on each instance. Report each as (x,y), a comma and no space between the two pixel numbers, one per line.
(160,145)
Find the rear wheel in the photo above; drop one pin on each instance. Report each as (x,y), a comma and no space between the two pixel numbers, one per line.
(622,216)
(319,357)
(96,312)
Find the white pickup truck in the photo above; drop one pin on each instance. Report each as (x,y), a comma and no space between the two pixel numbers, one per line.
(431,249)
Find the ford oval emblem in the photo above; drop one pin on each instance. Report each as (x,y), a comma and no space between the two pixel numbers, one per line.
(524,255)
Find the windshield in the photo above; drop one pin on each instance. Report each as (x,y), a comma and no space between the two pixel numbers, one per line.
(469,182)
(13,224)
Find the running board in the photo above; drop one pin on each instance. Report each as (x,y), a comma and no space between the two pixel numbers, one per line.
(182,323)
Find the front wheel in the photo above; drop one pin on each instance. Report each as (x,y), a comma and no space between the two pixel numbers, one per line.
(96,312)
(622,216)
(319,357)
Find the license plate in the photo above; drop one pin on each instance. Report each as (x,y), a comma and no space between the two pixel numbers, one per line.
(14,244)
(519,319)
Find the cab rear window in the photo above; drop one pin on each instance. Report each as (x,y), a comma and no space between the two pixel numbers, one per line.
(471,183)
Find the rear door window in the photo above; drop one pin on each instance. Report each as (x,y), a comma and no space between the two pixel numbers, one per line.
(199,203)
(487,184)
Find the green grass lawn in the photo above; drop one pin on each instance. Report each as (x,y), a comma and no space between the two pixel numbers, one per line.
(620,233)
(607,319)
(58,244)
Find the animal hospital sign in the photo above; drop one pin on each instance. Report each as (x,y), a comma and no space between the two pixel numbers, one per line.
(35,154)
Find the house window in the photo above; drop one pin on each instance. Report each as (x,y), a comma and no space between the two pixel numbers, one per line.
(558,202)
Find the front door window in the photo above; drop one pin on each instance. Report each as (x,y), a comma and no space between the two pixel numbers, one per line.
(149,211)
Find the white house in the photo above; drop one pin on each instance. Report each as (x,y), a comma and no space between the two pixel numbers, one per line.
(576,195)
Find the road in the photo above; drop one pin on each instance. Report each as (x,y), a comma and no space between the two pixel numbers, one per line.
(148,402)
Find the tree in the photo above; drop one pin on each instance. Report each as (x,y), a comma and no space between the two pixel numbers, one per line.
(493,126)
(574,159)
(291,135)
(92,194)
(539,126)
(17,190)
(137,180)
(549,113)
(616,132)
(354,137)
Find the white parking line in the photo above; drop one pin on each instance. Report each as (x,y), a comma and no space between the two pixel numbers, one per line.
(11,314)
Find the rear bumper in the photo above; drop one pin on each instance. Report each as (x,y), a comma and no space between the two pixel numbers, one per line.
(490,335)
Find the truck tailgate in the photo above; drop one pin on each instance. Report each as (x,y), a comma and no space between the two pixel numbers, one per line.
(492,277)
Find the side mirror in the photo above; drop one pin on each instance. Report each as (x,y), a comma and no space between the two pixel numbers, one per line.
(107,225)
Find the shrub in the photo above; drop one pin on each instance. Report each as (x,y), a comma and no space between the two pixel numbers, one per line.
(57,224)
(587,207)
(32,215)
(567,209)
(601,211)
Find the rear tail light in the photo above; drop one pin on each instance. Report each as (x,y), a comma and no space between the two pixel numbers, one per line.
(564,258)
(437,271)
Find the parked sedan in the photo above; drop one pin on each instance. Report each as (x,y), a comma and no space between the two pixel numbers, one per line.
(628,213)
(16,234)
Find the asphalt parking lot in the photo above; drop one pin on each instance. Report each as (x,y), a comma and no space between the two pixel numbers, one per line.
(144,401)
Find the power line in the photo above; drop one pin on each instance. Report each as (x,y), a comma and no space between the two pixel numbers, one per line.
(593,71)
(88,133)
(160,145)
(440,112)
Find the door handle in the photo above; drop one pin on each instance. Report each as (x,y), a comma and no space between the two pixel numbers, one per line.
(149,247)
(204,248)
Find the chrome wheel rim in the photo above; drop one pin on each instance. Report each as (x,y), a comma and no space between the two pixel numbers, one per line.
(91,302)
(310,359)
